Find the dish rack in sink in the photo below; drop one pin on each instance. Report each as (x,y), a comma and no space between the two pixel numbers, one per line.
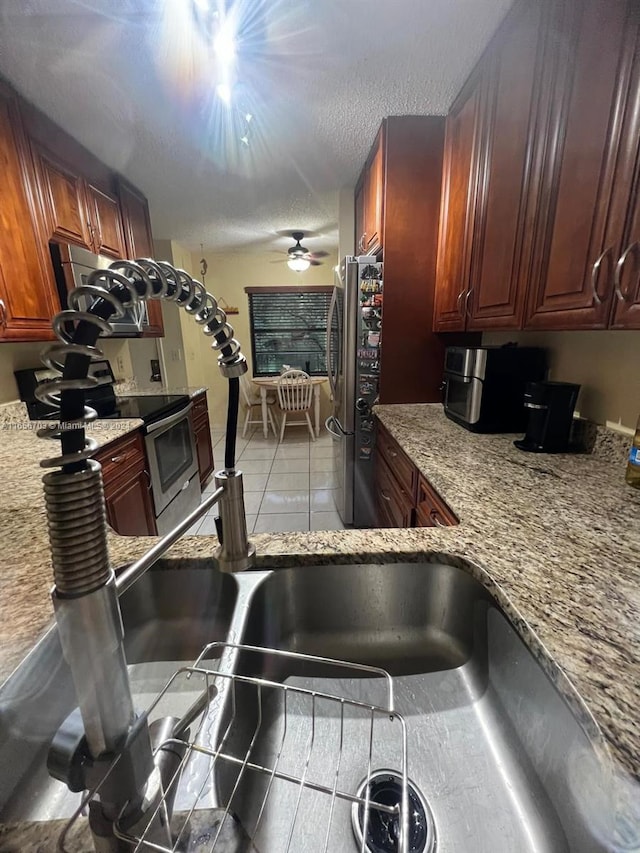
(277,766)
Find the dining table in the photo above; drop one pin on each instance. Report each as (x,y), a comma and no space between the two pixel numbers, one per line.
(270,383)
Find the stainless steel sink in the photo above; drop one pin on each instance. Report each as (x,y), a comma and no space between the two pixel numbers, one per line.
(492,746)
(494,751)
(168,617)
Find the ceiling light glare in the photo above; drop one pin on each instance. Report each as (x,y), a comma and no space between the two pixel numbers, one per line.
(223,91)
(248,118)
(298,264)
(224,44)
(244,139)
(202,5)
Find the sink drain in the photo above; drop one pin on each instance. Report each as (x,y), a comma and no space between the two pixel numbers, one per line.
(383,829)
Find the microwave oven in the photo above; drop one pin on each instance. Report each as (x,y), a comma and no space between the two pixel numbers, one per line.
(484,386)
(72,266)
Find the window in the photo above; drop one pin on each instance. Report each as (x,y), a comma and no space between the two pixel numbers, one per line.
(289,326)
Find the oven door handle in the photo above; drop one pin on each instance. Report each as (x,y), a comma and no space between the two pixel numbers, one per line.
(169,420)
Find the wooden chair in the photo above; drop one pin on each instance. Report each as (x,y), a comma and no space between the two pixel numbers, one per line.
(251,398)
(295,392)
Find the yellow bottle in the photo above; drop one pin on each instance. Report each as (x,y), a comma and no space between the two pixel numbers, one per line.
(633,468)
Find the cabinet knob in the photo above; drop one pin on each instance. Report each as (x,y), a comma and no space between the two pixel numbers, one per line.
(617,279)
(595,274)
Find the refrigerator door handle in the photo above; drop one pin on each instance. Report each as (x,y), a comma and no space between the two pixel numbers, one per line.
(332,421)
(332,378)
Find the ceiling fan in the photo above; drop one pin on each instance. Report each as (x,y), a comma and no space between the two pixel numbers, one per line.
(299,258)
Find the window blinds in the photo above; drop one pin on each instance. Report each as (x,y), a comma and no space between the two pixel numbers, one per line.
(289,326)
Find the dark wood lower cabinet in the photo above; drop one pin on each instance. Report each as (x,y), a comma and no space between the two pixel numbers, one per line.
(202,431)
(130,506)
(127,482)
(403,496)
(431,510)
(127,486)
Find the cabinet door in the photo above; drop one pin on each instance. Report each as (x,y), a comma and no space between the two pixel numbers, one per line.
(393,507)
(431,510)
(129,505)
(63,198)
(28,297)
(106,231)
(459,188)
(499,266)
(373,198)
(139,244)
(572,268)
(624,217)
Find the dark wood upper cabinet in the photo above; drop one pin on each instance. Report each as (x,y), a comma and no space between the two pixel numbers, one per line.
(138,243)
(577,145)
(76,211)
(106,230)
(497,282)
(63,199)
(28,296)
(459,190)
(359,216)
(624,214)
(540,225)
(412,181)
(370,195)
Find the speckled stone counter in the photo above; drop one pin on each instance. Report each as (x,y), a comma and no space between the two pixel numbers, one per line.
(555,538)
(559,539)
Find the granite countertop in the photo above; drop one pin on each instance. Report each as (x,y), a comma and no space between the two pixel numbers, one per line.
(555,538)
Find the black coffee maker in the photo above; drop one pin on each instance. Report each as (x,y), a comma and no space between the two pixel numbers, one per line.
(550,406)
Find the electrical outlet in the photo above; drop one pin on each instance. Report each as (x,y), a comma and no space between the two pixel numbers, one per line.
(120,365)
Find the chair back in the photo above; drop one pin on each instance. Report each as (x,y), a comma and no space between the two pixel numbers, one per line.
(245,390)
(294,391)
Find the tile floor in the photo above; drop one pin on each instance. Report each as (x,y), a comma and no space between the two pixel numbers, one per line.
(287,487)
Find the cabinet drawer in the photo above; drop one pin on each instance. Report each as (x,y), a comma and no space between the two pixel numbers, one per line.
(431,510)
(121,455)
(394,507)
(403,469)
(200,409)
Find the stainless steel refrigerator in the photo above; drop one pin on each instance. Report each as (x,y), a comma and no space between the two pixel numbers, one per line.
(354,331)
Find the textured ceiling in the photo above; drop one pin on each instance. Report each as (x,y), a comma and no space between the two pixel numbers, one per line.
(134,80)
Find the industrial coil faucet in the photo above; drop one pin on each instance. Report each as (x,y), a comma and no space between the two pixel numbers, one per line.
(111,741)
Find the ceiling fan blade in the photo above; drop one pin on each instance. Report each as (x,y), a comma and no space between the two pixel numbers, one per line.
(315,263)
(320,254)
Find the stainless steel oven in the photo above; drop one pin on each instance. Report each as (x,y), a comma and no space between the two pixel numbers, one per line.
(173,464)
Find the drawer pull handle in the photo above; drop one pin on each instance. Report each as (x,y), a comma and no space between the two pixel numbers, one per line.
(385,497)
(117,459)
(436,520)
(392,453)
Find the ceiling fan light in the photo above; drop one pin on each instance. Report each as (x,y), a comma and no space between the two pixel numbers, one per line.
(298,264)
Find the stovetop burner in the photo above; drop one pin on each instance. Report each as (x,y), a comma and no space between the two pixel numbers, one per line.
(148,408)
